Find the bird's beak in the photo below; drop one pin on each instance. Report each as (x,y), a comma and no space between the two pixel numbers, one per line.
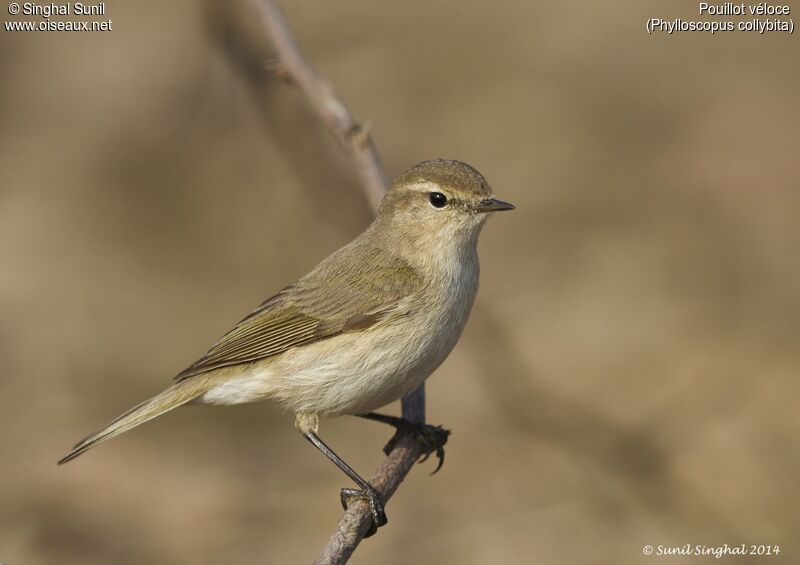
(493,205)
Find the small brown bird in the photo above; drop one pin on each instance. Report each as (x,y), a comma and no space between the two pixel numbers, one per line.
(367,326)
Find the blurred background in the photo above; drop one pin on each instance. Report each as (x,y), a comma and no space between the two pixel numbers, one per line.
(630,373)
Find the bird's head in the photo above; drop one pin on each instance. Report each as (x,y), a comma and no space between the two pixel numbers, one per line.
(440,199)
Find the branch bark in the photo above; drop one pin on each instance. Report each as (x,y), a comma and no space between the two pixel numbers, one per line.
(355,138)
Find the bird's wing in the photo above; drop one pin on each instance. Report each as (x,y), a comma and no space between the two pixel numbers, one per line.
(335,298)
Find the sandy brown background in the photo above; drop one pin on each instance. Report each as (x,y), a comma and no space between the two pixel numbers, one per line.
(630,376)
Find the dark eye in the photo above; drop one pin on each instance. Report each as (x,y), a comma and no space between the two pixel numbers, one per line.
(438,200)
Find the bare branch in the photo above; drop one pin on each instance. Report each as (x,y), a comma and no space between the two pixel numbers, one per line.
(354,137)
(357,141)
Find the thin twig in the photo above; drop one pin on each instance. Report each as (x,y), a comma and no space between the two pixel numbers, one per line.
(356,139)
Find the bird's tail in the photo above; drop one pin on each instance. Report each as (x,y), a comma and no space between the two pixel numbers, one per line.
(176,395)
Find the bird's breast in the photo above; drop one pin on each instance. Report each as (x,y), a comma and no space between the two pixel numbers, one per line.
(448,301)
(361,371)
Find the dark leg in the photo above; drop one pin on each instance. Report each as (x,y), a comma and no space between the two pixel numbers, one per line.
(430,438)
(367,492)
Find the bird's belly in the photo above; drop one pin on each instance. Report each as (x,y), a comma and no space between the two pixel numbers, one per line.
(358,372)
(347,374)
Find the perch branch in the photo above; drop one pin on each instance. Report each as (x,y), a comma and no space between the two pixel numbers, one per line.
(357,141)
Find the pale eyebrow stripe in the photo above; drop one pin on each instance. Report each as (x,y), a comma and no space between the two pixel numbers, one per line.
(427,186)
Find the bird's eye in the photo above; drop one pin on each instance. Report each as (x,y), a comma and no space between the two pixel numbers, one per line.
(438,200)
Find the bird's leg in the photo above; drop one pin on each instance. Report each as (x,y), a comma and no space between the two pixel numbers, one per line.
(367,491)
(430,438)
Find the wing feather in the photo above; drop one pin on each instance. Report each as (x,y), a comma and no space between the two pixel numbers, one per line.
(313,309)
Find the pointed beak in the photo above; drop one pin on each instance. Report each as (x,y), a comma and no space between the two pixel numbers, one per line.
(493,205)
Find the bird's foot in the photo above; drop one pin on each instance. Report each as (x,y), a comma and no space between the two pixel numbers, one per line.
(375,506)
(430,438)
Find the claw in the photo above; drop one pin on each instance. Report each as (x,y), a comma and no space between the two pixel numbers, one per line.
(431,439)
(440,456)
(375,506)
(439,450)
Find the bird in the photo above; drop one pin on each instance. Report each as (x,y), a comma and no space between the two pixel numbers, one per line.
(364,328)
